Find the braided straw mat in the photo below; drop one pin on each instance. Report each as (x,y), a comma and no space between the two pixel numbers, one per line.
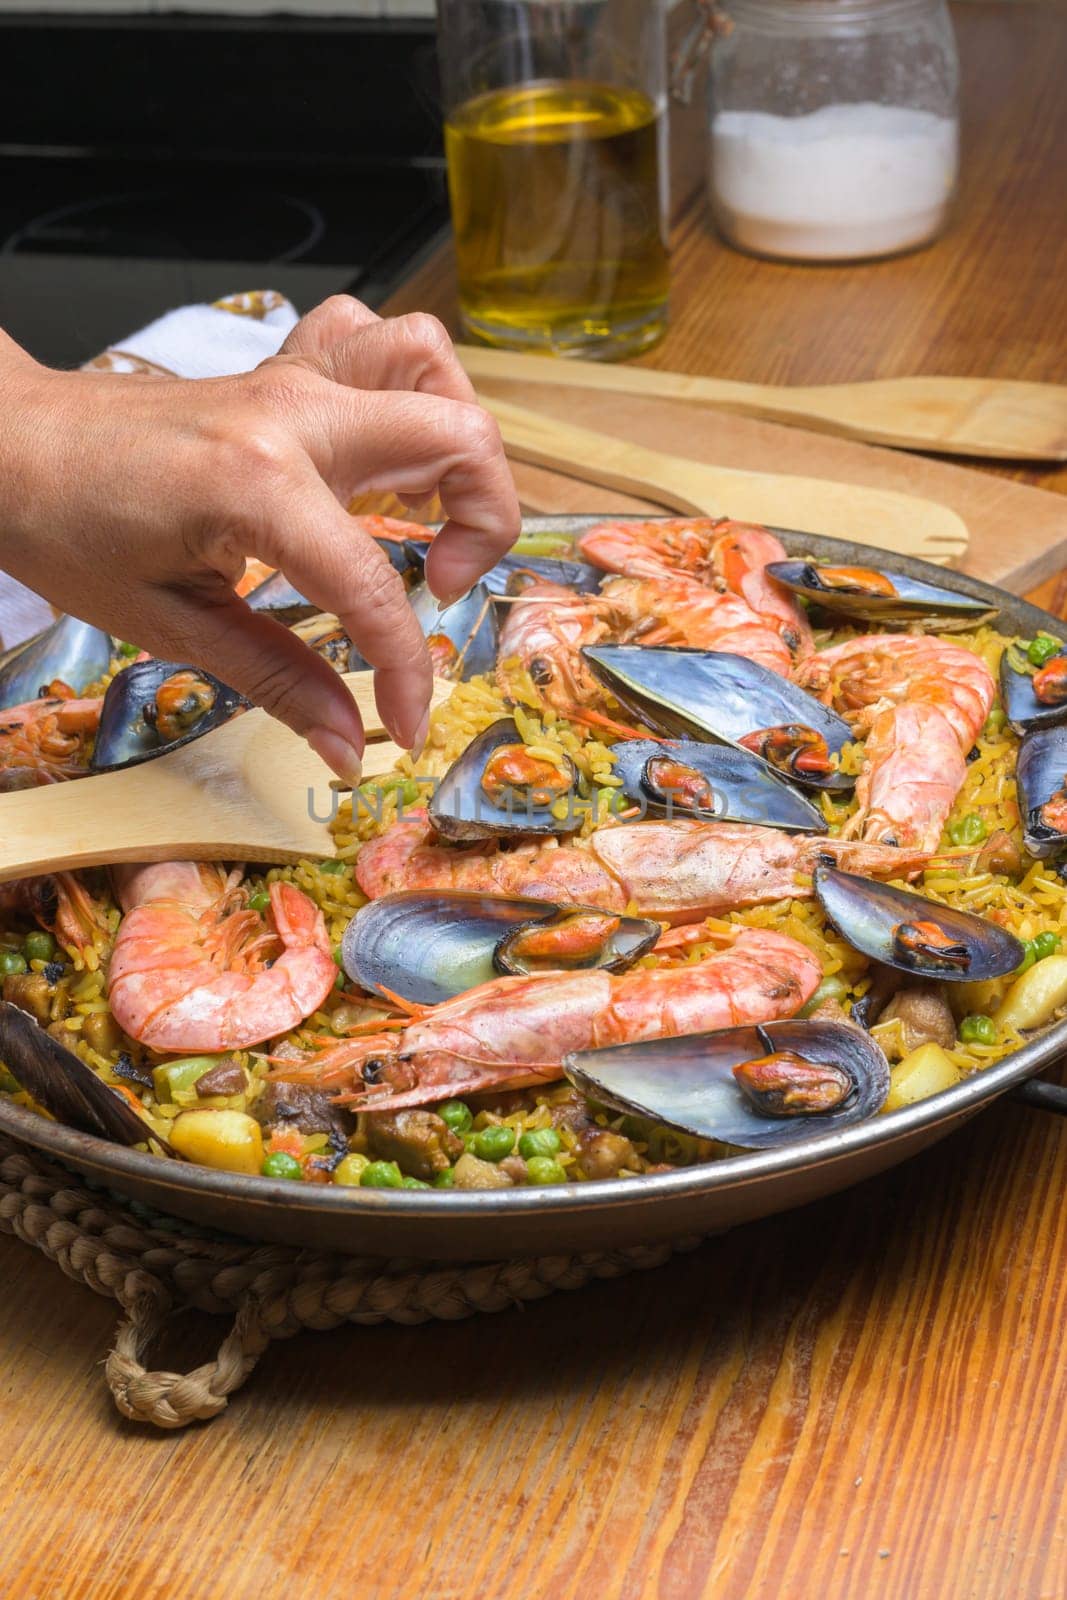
(154,1266)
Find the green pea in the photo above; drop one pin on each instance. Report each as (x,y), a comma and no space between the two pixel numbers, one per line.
(339,955)
(978,1030)
(539,1142)
(381,1175)
(1029,957)
(1042,649)
(129,650)
(493,1144)
(332,867)
(280,1165)
(260,901)
(11,961)
(445,1179)
(1046,944)
(39,947)
(456,1115)
(967,830)
(995,721)
(413,1183)
(542,1169)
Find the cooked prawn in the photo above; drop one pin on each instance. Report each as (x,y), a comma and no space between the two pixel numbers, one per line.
(680,611)
(47,740)
(715,552)
(60,902)
(678,870)
(514,1032)
(546,628)
(921,704)
(195,968)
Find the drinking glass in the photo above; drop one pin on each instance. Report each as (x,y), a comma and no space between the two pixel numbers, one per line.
(555,133)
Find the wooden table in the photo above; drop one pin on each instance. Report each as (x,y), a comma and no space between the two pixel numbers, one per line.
(865,1398)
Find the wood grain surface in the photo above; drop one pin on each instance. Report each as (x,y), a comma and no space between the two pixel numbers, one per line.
(863,1400)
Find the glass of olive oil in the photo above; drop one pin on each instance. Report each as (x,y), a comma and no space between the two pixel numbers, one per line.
(555,134)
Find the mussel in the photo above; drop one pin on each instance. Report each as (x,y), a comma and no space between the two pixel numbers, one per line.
(324,634)
(874,595)
(1033,697)
(64,1085)
(277,596)
(915,934)
(155,706)
(497,789)
(69,652)
(514,572)
(713,694)
(756,1087)
(1041,776)
(462,637)
(427,947)
(690,778)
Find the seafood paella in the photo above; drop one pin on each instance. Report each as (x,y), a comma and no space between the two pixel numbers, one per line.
(710,849)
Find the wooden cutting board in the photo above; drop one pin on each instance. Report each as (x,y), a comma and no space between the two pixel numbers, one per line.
(1018,535)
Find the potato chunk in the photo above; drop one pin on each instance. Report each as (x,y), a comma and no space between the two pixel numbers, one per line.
(923,1072)
(1035,995)
(229,1140)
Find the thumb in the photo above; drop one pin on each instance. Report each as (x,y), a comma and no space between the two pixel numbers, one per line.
(274,669)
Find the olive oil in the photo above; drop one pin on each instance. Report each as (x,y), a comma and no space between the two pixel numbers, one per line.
(558,215)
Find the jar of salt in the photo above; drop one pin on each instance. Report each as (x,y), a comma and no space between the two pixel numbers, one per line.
(834,126)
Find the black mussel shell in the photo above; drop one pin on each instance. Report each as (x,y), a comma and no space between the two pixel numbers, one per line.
(689,1082)
(277,596)
(462,809)
(128,733)
(70,651)
(875,595)
(912,933)
(513,573)
(1041,775)
(1021,705)
(717,781)
(428,947)
(462,637)
(61,1082)
(702,694)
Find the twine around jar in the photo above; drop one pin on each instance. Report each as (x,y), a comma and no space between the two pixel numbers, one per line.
(155,1266)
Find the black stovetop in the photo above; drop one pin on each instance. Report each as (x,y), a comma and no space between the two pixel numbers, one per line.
(166,160)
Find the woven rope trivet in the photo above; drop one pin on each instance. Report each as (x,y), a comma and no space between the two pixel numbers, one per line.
(155,1266)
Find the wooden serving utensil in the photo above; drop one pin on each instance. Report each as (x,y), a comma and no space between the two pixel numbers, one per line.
(251,790)
(997,417)
(885,517)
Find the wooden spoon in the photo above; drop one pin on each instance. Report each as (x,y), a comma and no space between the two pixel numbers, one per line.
(885,517)
(249,791)
(998,417)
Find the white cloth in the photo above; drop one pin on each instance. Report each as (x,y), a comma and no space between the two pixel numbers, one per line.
(204,341)
(208,342)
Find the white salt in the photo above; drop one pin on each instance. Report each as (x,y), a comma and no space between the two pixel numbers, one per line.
(845,181)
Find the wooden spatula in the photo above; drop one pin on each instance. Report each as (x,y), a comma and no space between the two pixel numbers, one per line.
(996,417)
(884,517)
(248,791)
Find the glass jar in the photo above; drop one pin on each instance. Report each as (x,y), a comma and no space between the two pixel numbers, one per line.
(834,126)
(555,134)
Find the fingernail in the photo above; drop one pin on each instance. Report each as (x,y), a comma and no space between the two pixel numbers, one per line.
(421,733)
(337,753)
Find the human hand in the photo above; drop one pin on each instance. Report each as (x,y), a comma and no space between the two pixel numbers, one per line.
(133,502)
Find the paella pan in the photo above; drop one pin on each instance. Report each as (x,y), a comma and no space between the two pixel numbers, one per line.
(736,850)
